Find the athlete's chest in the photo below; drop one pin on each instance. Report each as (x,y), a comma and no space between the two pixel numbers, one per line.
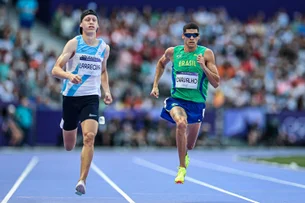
(187,71)
(186,62)
(89,64)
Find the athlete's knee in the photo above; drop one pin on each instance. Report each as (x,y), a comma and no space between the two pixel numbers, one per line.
(181,123)
(89,138)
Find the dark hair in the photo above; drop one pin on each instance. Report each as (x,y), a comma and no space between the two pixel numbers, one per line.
(190,26)
(84,14)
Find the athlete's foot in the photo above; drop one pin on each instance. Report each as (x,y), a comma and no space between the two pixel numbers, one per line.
(80,188)
(187,160)
(180,175)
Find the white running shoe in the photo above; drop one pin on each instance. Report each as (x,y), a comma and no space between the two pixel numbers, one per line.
(80,188)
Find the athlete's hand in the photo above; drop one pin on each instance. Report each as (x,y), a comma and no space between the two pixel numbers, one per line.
(76,79)
(200,59)
(108,98)
(155,92)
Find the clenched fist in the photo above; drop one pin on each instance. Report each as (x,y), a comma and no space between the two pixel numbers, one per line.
(155,92)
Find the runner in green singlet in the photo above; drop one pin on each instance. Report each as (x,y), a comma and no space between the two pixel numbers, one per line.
(193,68)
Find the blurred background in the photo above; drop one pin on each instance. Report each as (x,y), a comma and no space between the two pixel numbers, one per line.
(259,48)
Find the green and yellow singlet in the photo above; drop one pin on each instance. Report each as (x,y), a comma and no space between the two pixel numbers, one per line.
(189,81)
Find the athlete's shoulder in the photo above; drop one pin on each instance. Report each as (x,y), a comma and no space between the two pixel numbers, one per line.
(107,50)
(204,49)
(169,52)
(179,49)
(72,43)
(107,47)
(104,46)
(77,38)
(102,41)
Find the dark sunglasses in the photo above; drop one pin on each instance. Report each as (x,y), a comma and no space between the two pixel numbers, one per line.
(189,35)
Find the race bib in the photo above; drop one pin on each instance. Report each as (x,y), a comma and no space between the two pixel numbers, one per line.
(187,80)
(90,68)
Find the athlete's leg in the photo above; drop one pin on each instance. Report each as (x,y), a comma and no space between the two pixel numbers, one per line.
(179,116)
(69,122)
(69,138)
(89,128)
(192,135)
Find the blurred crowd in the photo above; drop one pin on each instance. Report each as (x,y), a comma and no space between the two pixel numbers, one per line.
(261,60)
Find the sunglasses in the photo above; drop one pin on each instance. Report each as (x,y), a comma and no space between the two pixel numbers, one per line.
(189,35)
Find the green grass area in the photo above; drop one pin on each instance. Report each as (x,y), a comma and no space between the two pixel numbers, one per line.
(300,160)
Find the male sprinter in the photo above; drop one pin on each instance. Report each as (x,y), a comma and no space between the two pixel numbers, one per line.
(85,59)
(193,68)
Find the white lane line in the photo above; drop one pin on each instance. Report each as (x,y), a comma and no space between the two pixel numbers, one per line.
(161,169)
(110,182)
(234,171)
(21,178)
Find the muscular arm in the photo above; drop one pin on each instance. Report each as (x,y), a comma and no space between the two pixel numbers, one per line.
(67,53)
(210,68)
(104,76)
(167,56)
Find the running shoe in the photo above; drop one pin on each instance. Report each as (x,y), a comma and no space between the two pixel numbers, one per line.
(180,175)
(80,188)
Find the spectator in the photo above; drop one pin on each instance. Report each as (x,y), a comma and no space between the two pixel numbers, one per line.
(27,14)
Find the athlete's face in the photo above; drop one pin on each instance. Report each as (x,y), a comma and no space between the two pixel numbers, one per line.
(90,23)
(190,37)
